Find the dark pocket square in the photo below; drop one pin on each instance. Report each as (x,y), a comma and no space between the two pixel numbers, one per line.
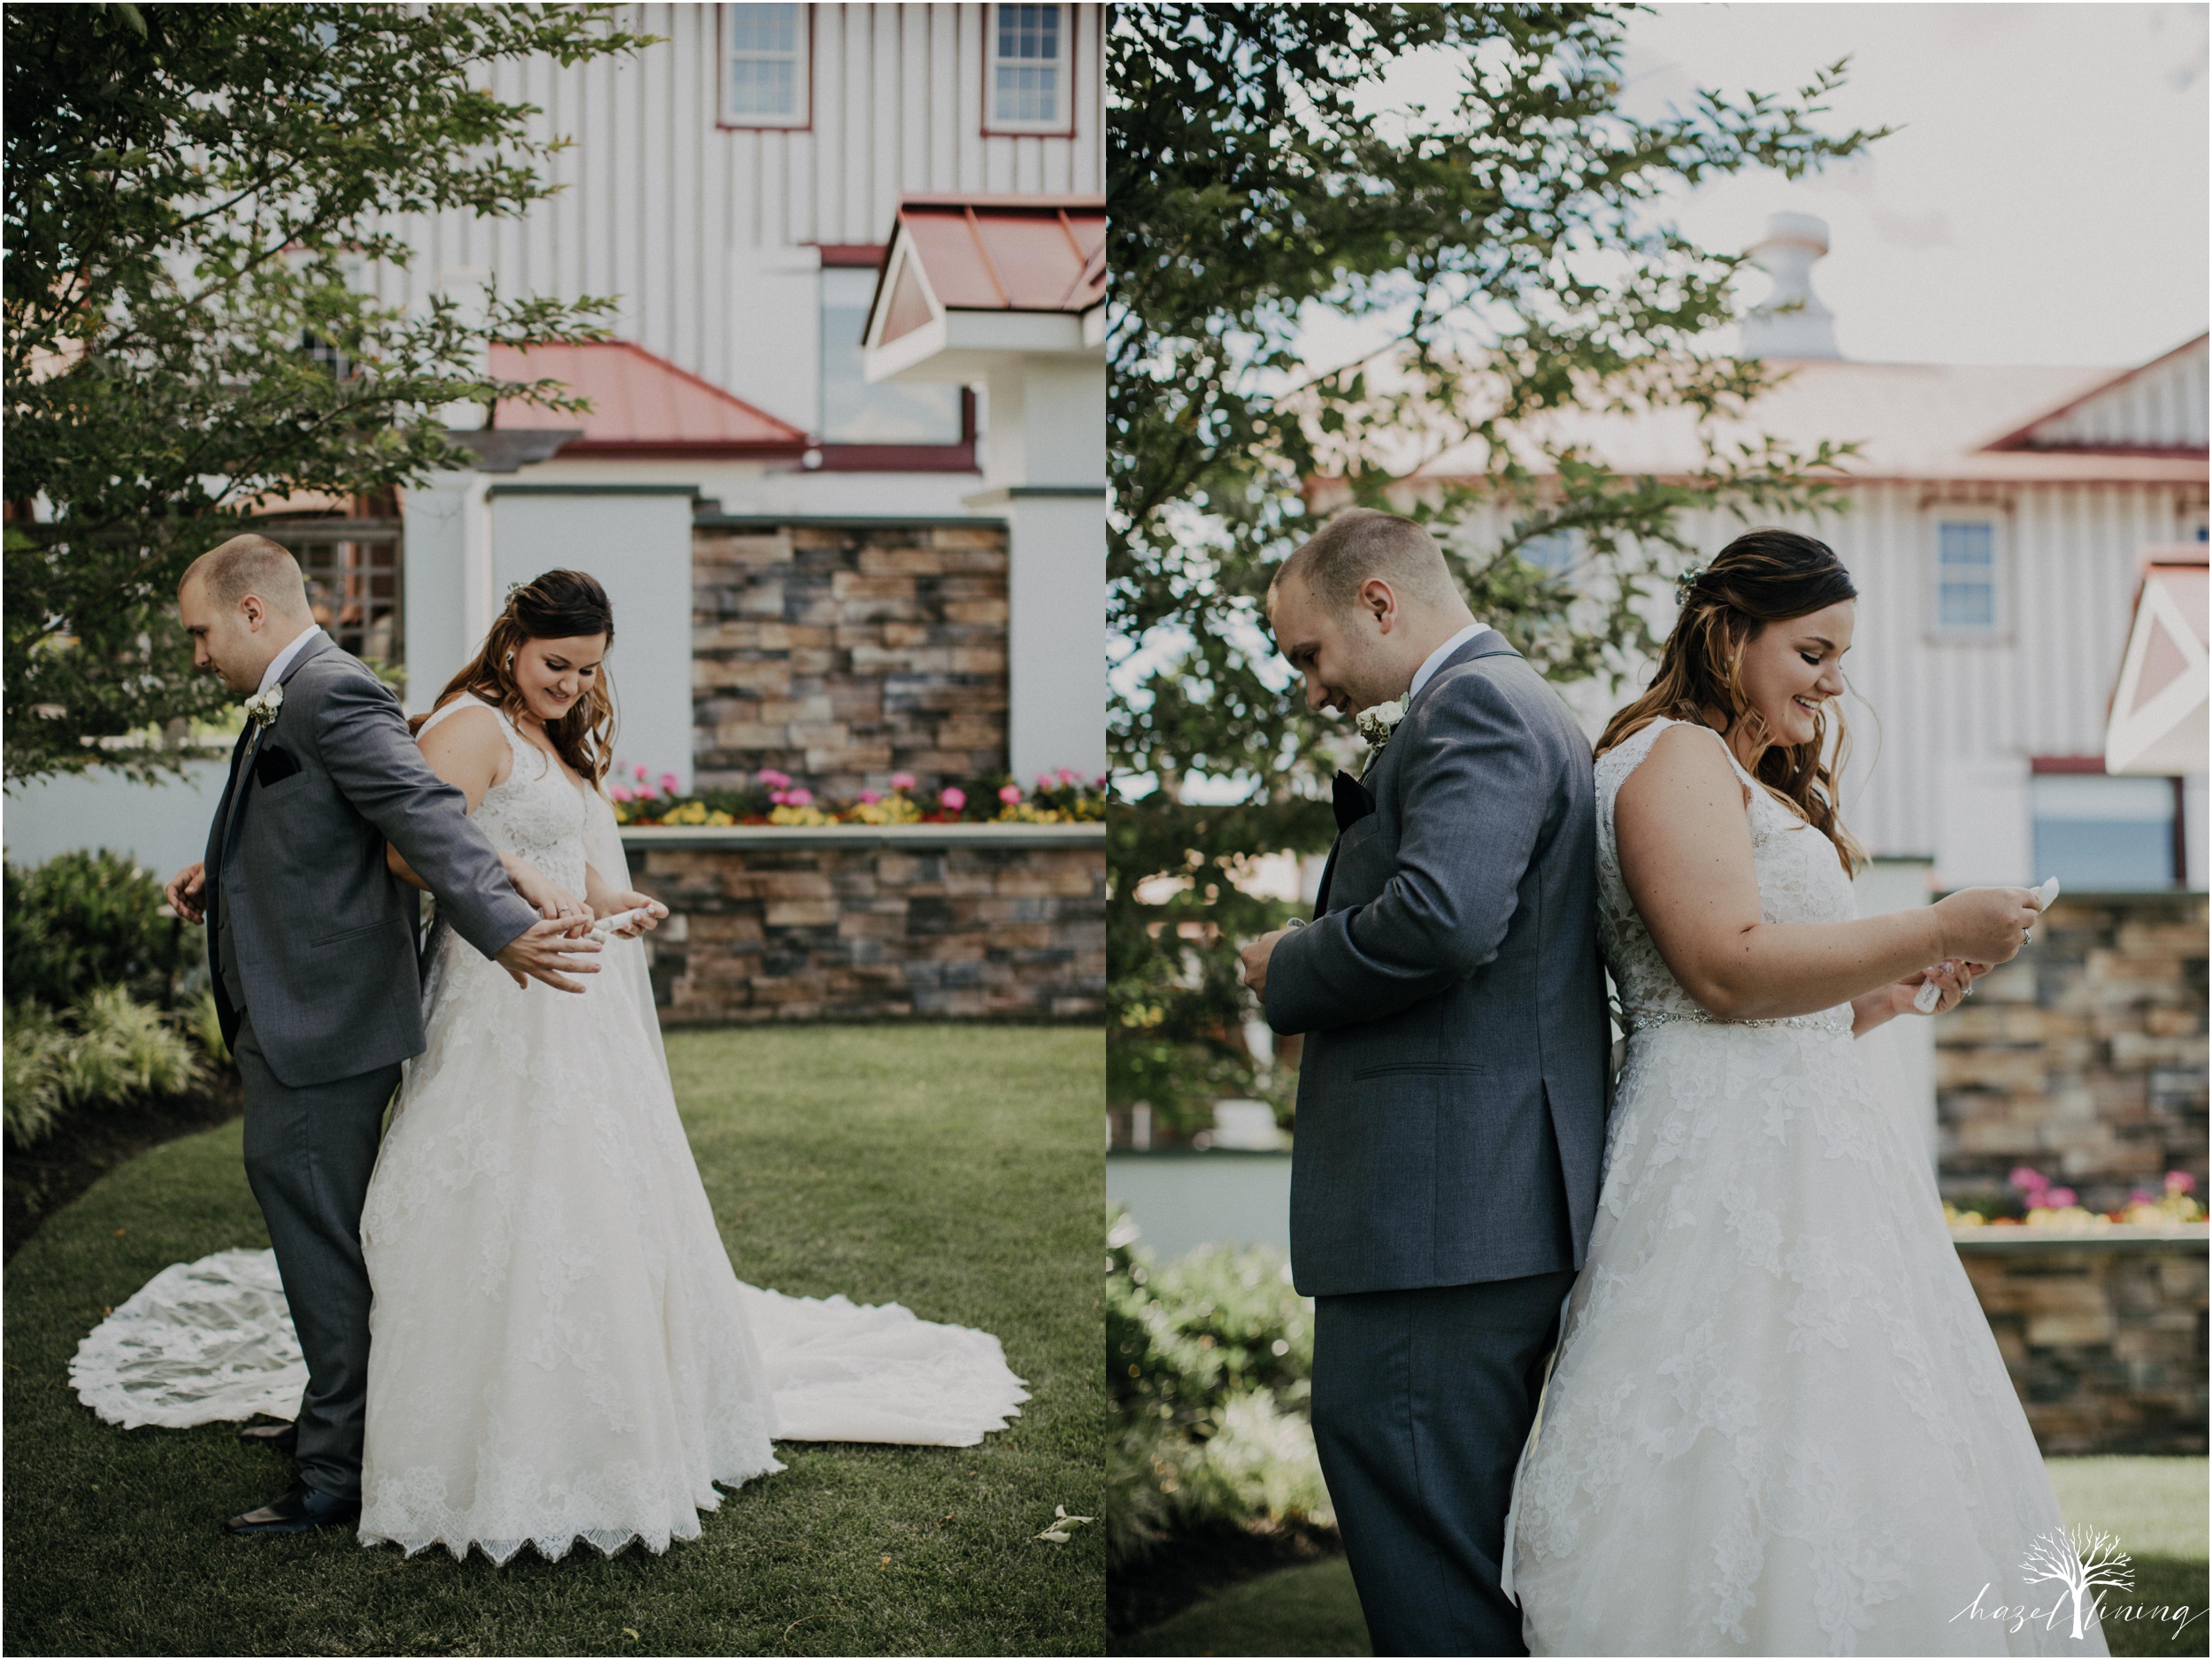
(273,764)
(1351,800)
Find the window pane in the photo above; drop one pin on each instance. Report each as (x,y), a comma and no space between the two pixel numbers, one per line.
(852,411)
(1026,80)
(764,28)
(762,88)
(764,60)
(1969,544)
(1966,575)
(2105,834)
(1968,605)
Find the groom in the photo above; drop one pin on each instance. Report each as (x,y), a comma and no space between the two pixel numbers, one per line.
(1451,1097)
(312,942)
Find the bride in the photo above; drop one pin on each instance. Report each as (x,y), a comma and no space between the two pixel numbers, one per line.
(1777,1422)
(559,1350)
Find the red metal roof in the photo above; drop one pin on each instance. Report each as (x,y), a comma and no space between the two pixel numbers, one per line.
(1009,253)
(641,404)
(2023,437)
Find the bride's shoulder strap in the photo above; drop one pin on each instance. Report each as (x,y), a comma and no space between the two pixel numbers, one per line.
(466,700)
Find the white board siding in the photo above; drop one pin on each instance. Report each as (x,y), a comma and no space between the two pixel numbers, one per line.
(657,197)
(2162,406)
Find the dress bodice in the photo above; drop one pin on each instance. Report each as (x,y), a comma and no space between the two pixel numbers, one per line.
(535,813)
(1800,881)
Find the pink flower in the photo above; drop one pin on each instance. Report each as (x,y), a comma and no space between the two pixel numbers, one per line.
(2028,1180)
(619,792)
(2180,1182)
(902,781)
(640,772)
(869,797)
(952,800)
(1099,782)
(778,798)
(798,797)
(1044,780)
(2058,1198)
(2142,1196)
(669,783)
(1069,775)
(775,780)
(1009,793)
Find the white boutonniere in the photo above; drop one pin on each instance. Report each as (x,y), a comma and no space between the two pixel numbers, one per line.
(1376,724)
(261,707)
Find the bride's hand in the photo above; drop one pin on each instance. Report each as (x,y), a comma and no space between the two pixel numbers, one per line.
(554,901)
(1987,924)
(1955,977)
(653,908)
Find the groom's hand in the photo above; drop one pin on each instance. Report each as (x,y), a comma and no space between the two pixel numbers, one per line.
(548,953)
(1256,956)
(188,891)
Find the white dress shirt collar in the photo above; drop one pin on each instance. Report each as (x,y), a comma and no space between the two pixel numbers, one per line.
(283,659)
(1439,658)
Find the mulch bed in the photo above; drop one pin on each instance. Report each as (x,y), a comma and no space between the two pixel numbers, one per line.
(84,1146)
(1190,1567)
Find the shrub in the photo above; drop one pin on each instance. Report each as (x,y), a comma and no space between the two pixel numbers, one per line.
(109,1049)
(204,1025)
(83,920)
(30,1096)
(1210,1359)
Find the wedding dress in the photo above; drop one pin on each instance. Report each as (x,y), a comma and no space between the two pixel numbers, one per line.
(559,1348)
(1777,1421)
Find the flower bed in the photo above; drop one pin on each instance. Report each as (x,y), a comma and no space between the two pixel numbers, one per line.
(2046,1206)
(773,798)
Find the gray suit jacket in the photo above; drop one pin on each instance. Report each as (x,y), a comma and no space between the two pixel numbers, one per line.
(322,934)
(1452,1092)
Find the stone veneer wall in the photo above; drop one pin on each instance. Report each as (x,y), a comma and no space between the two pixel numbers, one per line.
(841,653)
(2105,1341)
(2084,1056)
(826,925)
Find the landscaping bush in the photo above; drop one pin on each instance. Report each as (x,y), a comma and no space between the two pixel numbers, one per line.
(1210,1359)
(109,1049)
(30,1093)
(83,920)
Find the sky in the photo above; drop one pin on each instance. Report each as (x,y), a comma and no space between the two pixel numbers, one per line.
(2045,200)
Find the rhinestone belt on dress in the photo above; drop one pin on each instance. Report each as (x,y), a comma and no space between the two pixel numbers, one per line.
(1821,1022)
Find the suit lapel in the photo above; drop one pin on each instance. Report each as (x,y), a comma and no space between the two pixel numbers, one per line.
(1488,643)
(241,782)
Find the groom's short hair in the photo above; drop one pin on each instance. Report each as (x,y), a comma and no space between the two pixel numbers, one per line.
(250,565)
(1362,542)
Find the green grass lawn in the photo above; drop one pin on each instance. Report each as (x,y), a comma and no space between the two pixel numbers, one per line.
(2155,1505)
(955,1169)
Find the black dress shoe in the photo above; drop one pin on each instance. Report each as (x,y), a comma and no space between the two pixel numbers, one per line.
(298,1511)
(284,1436)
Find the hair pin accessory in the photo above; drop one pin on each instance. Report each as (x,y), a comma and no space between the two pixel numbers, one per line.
(1688,579)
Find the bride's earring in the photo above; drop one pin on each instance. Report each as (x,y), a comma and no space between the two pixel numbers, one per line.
(511,659)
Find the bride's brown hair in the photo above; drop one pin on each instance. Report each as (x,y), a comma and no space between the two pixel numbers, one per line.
(559,605)
(1763,576)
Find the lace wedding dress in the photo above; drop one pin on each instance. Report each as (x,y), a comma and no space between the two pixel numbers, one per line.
(1777,1422)
(559,1348)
